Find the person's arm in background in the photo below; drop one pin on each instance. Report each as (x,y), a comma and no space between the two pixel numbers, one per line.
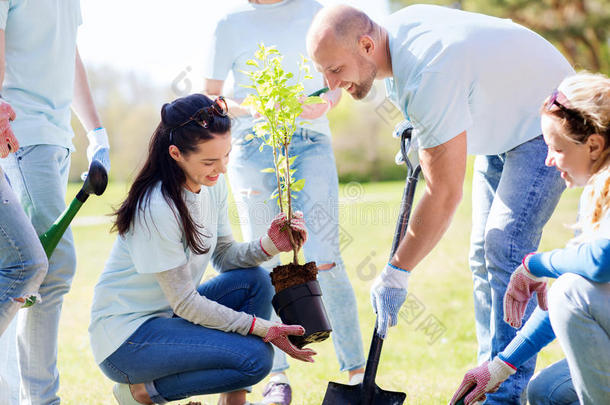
(8,141)
(84,107)
(213,87)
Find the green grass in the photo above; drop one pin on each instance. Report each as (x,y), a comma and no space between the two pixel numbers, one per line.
(428,371)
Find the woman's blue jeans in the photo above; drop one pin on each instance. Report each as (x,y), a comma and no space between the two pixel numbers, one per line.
(318,201)
(513,196)
(177,359)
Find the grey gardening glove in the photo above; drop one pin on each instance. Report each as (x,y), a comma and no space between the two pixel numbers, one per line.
(388,293)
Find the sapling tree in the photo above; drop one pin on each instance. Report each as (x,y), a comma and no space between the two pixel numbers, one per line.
(278,98)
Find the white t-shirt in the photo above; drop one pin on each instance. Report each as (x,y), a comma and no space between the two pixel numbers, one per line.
(128,293)
(237,36)
(456,71)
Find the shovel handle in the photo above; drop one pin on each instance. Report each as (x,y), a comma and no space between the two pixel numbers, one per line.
(463,397)
(319,92)
(372,362)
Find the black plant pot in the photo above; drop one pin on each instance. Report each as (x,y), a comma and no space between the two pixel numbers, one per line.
(302,305)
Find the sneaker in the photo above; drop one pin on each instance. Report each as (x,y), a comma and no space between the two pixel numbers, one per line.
(122,394)
(277,391)
(356,379)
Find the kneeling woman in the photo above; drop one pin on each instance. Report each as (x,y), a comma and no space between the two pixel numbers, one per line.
(154,330)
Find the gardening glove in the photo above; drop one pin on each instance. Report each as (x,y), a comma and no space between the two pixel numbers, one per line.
(388,293)
(277,333)
(8,142)
(277,239)
(521,287)
(98,149)
(486,378)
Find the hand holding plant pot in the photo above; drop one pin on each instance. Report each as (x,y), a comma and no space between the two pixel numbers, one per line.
(277,334)
(298,298)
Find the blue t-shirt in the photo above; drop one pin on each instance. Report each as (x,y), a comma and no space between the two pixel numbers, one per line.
(456,71)
(127,293)
(236,38)
(40,54)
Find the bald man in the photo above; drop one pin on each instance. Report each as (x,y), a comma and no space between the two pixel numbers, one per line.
(469,84)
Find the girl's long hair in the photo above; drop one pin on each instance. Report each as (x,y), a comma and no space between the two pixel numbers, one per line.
(174,129)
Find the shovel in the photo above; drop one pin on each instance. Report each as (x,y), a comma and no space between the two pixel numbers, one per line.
(367,392)
(95,183)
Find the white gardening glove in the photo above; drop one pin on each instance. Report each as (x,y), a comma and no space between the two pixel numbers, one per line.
(388,293)
(483,379)
(99,148)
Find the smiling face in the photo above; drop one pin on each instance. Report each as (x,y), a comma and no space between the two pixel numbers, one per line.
(346,68)
(573,160)
(203,166)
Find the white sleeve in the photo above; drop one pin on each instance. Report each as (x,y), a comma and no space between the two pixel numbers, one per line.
(185,301)
(219,61)
(4,6)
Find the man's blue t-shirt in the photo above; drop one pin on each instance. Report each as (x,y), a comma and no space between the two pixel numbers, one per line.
(456,71)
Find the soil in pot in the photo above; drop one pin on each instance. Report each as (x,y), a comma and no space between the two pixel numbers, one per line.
(292,274)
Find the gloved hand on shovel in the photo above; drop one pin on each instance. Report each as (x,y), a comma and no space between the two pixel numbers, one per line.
(520,290)
(98,149)
(277,334)
(8,142)
(486,378)
(278,240)
(388,293)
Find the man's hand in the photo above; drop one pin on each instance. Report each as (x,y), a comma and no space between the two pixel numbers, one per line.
(486,378)
(521,288)
(277,334)
(388,293)
(99,148)
(8,142)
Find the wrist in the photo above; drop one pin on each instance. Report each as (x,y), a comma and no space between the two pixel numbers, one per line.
(268,246)
(395,277)
(525,264)
(501,369)
(98,136)
(260,327)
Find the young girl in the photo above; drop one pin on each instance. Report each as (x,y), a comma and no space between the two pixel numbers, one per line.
(576,128)
(153,330)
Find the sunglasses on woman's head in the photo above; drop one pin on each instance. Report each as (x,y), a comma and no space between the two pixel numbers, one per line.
(579,122)
(204,116)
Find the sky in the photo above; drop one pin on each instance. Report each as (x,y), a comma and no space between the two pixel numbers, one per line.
(164,40)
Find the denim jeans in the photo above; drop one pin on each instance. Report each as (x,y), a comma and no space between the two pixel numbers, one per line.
(552,386)
(580,315)
(177,359)
(513,196)
(23,263)
(319,202)
(39,176)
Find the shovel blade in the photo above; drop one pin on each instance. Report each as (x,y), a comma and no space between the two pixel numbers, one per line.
(341,394)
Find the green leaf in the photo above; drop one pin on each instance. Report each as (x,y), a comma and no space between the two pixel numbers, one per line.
(298,186)
(268,170)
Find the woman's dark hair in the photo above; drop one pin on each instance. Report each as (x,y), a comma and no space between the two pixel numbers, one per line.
(185,123)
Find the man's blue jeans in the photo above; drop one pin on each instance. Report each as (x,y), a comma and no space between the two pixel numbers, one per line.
(513,196)
(319,202)
(23,263)
(177,359)
(580,315)
(39,177)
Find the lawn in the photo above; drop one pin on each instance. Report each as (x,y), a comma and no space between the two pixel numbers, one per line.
(425,356)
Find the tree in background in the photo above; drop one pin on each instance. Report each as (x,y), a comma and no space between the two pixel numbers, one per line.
(579,28)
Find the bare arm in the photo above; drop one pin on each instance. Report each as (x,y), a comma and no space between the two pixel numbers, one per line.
(213,87)
(2,58)
(444,168)
(83,104)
